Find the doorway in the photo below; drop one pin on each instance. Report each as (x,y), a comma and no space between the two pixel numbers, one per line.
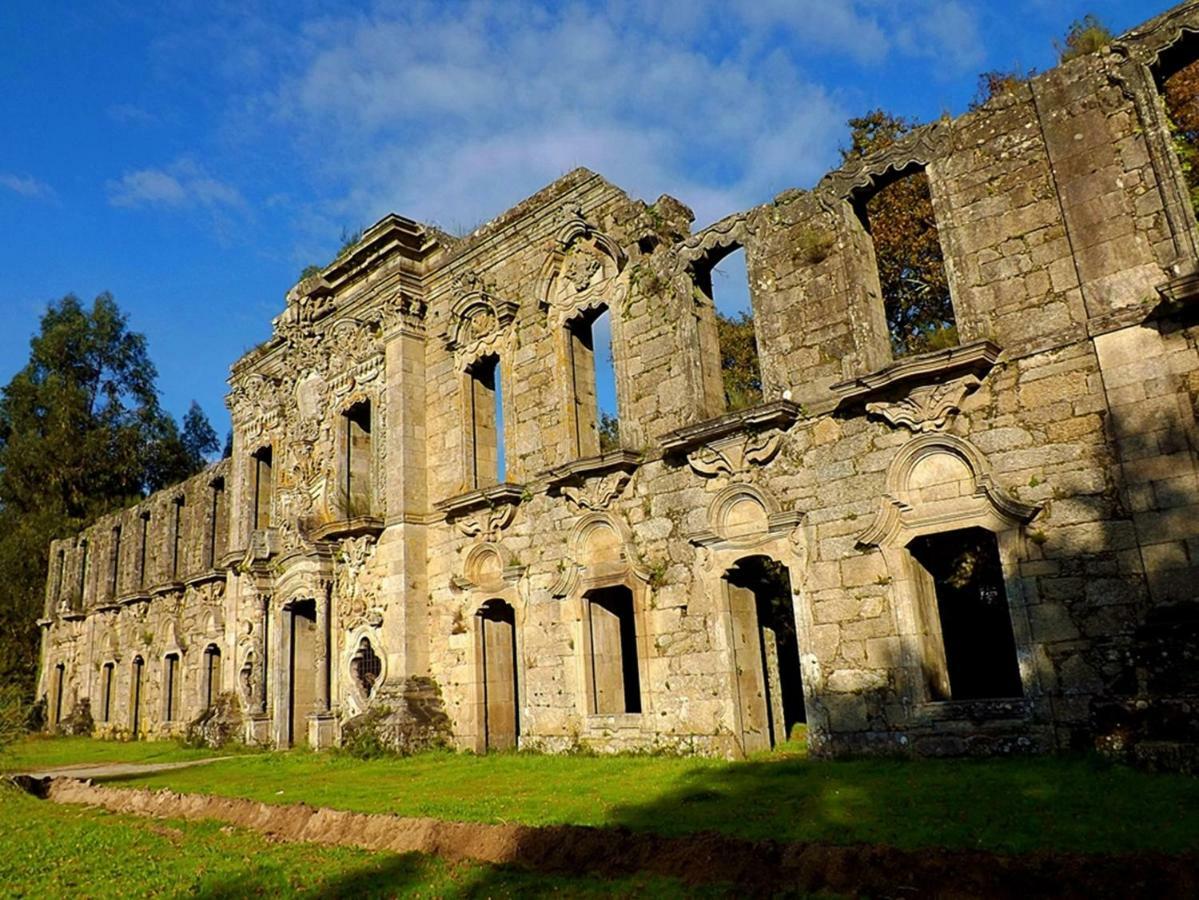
(497,664)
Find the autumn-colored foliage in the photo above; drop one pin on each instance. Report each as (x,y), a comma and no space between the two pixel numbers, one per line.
(1181,93)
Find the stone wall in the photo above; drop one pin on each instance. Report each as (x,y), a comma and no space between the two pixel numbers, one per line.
(1059,432)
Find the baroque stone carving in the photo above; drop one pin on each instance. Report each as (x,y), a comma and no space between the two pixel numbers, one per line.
(737,455)
(926,408)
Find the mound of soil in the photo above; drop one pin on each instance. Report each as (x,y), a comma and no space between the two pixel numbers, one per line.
(754,867)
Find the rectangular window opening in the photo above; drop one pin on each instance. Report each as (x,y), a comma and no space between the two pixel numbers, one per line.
(145,545)
(897,213)
(615,673)
(264,487)
(594,407)
(358,460)
(115,571)
(1177,77)
(171,686)
(214,519)
(485,422)
(970,649)
(177,537)
(106,695)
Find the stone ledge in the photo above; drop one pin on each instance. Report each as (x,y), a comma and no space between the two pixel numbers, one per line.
(505,493)
(214,574)
(166,587)
(976,359)
(579,469)
(775,414)
(1011,709)
(130,599)
(356,526)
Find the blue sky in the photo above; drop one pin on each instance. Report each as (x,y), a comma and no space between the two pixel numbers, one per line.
(193,157)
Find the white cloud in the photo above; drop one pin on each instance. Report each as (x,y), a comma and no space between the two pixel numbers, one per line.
(179,185)
(27,186)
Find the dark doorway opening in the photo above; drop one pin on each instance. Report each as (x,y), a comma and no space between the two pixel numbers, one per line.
(973,615)
(615,675)
(302,658)
(765,651)
(497,652)
(136,705)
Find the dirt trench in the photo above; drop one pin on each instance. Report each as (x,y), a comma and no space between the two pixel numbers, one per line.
(754,867)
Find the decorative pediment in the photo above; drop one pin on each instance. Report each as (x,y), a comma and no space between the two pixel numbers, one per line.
(743,515)
(487,511)
(477,312)
(918,147)
(582,270)
(487,566)
(921,393)
(594,483)
(735,443)
(599,548)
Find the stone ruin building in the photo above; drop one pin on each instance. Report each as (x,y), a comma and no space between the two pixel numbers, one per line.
(983,548)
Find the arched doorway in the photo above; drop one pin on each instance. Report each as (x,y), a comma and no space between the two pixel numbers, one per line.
(769,684)
(499,707)
(135,700)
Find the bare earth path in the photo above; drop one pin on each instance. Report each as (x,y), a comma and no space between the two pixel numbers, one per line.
(108,771)
(754,867)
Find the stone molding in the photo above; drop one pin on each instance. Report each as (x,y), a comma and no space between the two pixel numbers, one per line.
(485,511)
(593,482)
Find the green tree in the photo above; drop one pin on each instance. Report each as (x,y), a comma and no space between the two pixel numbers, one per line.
(81,434)
(739,360)
(1085,35)
(907,249)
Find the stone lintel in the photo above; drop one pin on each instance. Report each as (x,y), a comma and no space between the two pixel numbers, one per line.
(130,599)
(977,358)
(205,577)
(166,587)
(775,414)
(503,494)
(580,469)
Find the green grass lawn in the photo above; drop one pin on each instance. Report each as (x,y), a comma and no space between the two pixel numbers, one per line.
(1011,805)
(47,850)
(44,752)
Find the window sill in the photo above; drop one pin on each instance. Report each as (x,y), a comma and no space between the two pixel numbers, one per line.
(779,414)
(503,494)
(1012,709)
(576,471)
(904,375)
(347,528)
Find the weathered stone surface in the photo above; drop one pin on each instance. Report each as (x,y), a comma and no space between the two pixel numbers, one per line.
(361,558)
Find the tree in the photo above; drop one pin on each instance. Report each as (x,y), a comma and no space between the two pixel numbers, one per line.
(907,249)
(1181,94)
(1085,35)
(739,360)
(81,434)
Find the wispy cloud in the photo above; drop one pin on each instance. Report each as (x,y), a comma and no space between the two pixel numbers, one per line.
(182,184)
(27,186)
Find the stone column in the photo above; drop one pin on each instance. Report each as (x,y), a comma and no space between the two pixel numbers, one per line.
(264,601)
(321,694)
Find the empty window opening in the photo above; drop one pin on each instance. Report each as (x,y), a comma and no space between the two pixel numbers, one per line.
(765,651)
(485,423)
(497,665)
(1177,75)
(176,537)
(615,676)
(302,669)
(593,413)
(212,674)
(215,512)
(898,215)
(135,697)
(359,454)
(970,649)
(83,561)
(145,545)
(365,666)
(171,686)
(106,692)
(114,572)
(61,581)
(60,676)
(264,487)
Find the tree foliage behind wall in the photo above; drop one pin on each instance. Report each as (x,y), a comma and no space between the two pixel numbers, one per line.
(739,368)
(81,434)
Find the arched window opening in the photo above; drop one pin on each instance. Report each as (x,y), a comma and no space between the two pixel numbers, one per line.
(497,670)
(106,692)
(486,462)
(114,571)
(366,666)
(60,676)
(967,623)
(1177,77)
(615,676)
(359,454)
(215,513)
(766,651)
(264,487)
(176,537)
(135,697)
(212,674)
(897,213)
(170,682)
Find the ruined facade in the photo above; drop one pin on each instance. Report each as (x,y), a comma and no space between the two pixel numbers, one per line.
(982,548)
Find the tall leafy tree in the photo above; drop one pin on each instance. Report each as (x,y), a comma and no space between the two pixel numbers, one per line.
(81,434)
(739,360)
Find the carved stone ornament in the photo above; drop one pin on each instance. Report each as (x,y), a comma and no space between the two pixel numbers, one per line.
(489,523)
(735,455)
(583,269)
(476,314)
(594,483)
(927,408)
